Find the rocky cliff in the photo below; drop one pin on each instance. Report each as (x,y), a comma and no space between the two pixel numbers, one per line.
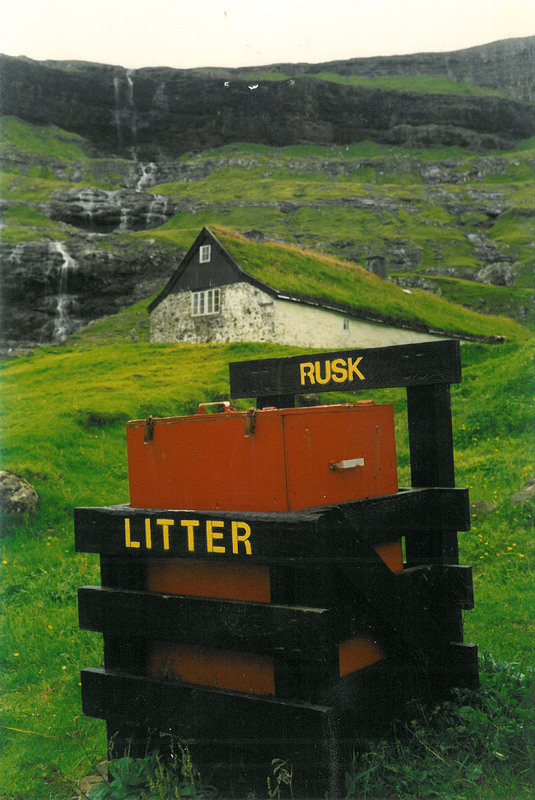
(507,66)
(159,112)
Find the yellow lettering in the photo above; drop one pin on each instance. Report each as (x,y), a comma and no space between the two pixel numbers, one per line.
(127,540)
(353,368)
(327,377)
(339,370)
(244,537)
(166,524)
(307,371)
(148,537)
(211,534)
(190,524)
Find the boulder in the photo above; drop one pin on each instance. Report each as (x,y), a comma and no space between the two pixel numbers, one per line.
(17,496)
(527,493)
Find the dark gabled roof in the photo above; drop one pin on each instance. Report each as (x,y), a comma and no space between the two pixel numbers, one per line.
(206,236)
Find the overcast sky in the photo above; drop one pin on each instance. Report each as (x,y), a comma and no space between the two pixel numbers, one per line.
(196,33)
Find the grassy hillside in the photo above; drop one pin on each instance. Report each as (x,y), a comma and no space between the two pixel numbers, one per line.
(63,414)
(432,213)
(63,411)
(429,84)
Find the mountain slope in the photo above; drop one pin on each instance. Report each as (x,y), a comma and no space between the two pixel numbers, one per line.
(162,112)
(85,236)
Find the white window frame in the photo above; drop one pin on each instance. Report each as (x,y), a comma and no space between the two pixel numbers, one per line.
(205,253)
(206,303)
(346,323)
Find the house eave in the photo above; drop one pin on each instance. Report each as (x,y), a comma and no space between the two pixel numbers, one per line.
(392,322)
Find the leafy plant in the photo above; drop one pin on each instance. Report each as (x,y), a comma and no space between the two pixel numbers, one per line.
(447,750)
(153,778)
(283,774)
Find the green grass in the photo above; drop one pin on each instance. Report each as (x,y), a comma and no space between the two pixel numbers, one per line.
(45,140)
(493,299)
(428,84)
(246,194)
(63,414)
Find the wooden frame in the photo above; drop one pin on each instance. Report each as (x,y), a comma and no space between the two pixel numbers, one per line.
(329,586)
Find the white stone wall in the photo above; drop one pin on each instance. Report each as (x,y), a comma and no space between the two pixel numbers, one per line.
(246,315)
(306,326)
(250,315)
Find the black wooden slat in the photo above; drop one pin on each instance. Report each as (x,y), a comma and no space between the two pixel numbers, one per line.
(230,624)
(124,650)
(431,455)
(281,537)
(447,585)
(200,712)
(379,367)
(463,667)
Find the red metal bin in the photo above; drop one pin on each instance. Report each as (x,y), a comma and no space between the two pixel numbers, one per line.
(266,460)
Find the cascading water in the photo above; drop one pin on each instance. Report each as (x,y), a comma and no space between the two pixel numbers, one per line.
(62,320)
(147,177)
(158,211)
(132,107)
(117,110)
(86,198)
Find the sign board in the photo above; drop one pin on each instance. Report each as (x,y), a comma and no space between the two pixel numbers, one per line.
(348,370)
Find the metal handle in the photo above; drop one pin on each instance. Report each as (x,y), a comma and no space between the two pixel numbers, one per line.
(225,403)
(349,463)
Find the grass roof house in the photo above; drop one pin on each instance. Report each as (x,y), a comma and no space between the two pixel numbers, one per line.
(232,288)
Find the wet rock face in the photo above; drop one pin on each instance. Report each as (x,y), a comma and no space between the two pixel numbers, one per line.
(103,211)
(17,496)
(51,289)
(158,112)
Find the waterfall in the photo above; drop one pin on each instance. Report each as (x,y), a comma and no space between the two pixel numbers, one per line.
(159,98)
(15,256)
(64,300)
(130,82)
(158,211)
(86,198)
(116,110)
(148,176)
(132,107)
(123,225)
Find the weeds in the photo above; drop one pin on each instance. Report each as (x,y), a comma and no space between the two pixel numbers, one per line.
(283,774)
(447,750)
(153,778)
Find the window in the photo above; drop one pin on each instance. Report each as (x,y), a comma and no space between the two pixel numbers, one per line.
(207,302)
(205,253)
(346,324)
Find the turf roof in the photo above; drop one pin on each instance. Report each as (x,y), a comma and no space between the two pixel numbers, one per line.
(322,279)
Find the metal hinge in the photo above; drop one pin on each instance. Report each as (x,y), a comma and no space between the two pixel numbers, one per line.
(250,421)
(149,429)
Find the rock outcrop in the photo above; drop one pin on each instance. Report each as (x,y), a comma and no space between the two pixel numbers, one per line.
(160,112)
(507,66)
(51,289)
(17,495)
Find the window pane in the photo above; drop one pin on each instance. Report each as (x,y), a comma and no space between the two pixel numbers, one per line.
(209,295)
(205,253)
(216,300)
